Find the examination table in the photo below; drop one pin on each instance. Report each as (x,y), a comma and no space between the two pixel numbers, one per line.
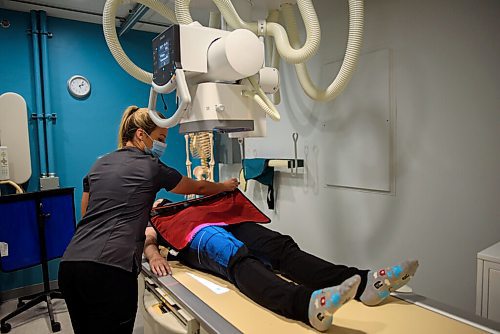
(191,301)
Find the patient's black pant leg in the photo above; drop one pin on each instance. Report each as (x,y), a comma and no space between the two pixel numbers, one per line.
(259,283)
(286,257)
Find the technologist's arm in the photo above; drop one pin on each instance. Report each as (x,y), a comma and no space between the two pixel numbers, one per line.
(189,186)
(85,195)
(158,263)
(85,202)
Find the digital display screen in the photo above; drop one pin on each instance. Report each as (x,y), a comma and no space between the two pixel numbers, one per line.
(164,54)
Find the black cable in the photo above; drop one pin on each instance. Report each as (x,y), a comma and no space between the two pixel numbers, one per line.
(164,104)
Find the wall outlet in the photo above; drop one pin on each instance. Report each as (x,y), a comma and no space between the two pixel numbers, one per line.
(4,164)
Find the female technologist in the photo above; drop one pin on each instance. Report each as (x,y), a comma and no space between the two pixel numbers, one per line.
(98,272)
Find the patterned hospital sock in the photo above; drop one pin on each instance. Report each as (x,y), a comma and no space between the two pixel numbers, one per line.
(325,302)
(382,282)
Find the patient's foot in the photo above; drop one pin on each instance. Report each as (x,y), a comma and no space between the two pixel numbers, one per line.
(382,282)
(325,302)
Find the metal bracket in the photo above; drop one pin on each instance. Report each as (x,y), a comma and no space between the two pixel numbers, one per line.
(132,18)
(261,28)
(51,117)
(37,32)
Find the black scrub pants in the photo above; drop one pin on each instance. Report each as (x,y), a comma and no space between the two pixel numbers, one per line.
(265,252)
(100,298)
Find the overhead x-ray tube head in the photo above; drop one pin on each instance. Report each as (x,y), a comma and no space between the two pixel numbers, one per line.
(208,65)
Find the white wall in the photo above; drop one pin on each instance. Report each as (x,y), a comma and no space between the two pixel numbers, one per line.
(445,203)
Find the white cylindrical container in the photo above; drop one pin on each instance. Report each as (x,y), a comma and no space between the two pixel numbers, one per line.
(238,55)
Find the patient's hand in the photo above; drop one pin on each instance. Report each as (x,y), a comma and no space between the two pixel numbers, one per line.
(160,266)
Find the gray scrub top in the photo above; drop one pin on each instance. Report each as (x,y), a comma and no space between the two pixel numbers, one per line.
(122,186)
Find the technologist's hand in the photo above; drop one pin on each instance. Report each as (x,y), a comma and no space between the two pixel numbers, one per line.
(231,184)
(160,266)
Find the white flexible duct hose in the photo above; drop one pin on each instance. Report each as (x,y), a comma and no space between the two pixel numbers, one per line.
(260,102)
(182,12)
(273,16)
(108,24)
(261,98)
(286,51)
(232,18)
(351,57)
(275,62)
(214,20)
(291,54)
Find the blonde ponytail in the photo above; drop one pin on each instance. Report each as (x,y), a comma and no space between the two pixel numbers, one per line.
(134,118)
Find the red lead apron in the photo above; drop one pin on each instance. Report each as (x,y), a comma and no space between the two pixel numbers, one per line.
(177,223)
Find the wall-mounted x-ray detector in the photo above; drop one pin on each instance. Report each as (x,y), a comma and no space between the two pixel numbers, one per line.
(14,136)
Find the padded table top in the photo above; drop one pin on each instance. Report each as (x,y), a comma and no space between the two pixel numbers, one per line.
(393,316)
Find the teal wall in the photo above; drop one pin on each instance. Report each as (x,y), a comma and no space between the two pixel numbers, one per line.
(85,129)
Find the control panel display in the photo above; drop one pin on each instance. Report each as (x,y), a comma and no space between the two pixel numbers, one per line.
(166,55)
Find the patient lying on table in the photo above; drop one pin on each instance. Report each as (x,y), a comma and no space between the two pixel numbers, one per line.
(224,235)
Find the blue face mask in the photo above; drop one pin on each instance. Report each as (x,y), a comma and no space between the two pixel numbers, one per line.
(158,148)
